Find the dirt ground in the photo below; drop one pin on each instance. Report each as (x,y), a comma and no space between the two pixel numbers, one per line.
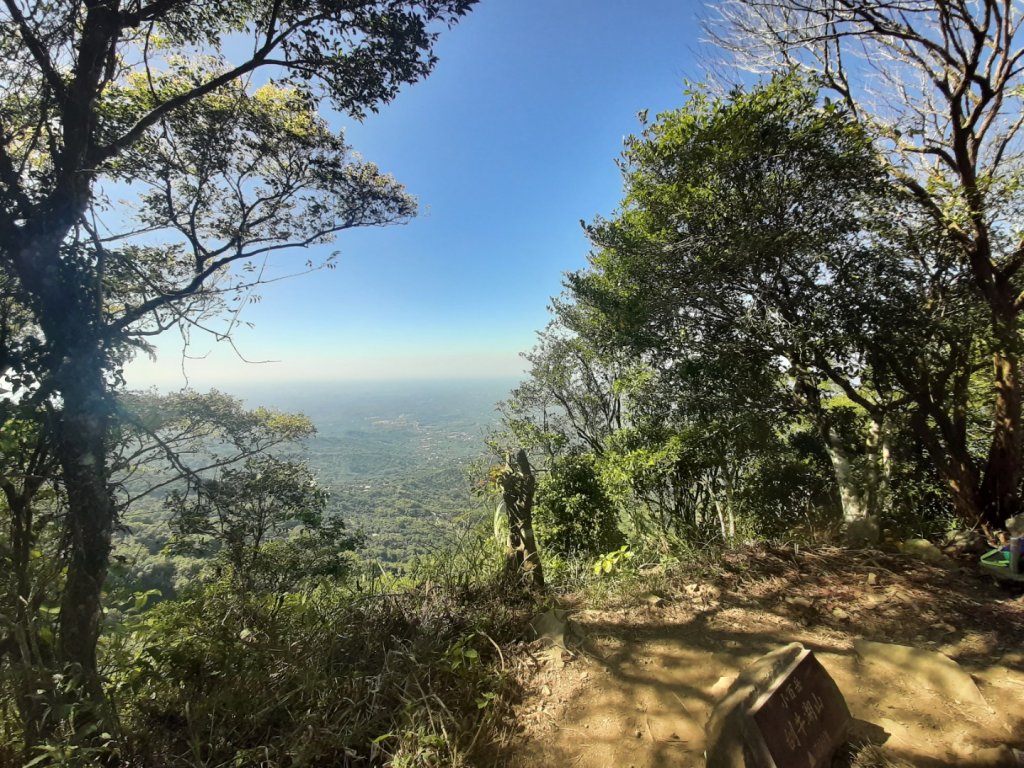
(640,682)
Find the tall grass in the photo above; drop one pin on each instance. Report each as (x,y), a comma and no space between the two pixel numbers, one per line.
(373,672)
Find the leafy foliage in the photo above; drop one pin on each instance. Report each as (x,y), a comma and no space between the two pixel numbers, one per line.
(246,515)
(574,517)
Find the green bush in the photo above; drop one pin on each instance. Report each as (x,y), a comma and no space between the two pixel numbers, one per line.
(573,515)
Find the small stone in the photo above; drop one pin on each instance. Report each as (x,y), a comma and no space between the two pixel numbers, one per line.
(803,602)
(722,685)
(653,600)
(994,757)
(922,549)
(872,579)
(545,690)
(840,614)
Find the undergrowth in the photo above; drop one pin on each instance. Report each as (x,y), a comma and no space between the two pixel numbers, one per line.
(410,678)
(368,673)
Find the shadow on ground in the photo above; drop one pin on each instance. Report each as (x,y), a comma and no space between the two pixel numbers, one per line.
(638,690)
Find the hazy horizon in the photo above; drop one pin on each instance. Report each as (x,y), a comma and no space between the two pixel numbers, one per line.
(506,154)
(210,371)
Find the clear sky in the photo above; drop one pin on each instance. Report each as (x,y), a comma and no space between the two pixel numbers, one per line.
(507,146)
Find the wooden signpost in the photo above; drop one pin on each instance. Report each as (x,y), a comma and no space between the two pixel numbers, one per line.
(800,719)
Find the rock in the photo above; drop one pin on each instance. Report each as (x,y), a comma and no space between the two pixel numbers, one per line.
(840,614)
(922,549)
(872,579)
(726,730)
(967,542)
(993,757)
(704,592)
(931,669)
(554,631)
(653,600)
(803,602)
(721,686)
(860,534)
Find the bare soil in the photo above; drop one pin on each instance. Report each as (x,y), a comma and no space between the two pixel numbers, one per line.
(637,688)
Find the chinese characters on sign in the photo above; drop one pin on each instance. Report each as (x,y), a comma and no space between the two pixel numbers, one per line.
(801,719)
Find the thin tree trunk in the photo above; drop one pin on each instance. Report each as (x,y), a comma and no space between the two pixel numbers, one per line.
(518,485)
(29,660)
(730,506)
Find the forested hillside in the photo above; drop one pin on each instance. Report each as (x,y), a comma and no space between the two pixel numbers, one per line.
(398,460)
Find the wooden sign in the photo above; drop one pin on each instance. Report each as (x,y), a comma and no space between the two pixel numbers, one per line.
(800,719)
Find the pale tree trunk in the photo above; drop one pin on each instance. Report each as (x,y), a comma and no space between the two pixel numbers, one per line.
(729,505)
(518,485)
(854,509)
(724,507)
(860,525)
(853,506)
(879,473)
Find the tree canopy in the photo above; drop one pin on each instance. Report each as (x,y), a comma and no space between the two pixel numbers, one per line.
(204,117)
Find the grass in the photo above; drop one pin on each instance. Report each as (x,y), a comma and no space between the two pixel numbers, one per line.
(371,672)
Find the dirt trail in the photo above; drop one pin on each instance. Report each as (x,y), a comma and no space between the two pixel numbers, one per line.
(641,684)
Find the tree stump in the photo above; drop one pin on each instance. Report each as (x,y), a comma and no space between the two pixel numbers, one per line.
(518,484)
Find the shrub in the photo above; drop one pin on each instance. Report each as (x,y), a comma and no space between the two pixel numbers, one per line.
(573,514)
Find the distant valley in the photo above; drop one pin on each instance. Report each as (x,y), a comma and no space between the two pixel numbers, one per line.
(394,455)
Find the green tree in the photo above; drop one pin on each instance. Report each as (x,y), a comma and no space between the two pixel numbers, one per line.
(266,519)
(157,442)
(571,400)
(951,139)
(747,270)
(101,98)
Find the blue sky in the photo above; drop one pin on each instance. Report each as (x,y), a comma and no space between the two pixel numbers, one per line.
(507,146)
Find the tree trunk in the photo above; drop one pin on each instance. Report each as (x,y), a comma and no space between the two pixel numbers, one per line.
(518,485)
(66,300)
(956,467)
(29,658)
(874,483)
(854,509)
(851,499)
(999,489)
(730,505)
(82,451)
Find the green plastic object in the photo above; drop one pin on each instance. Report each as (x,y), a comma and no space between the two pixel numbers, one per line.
(1004,562)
